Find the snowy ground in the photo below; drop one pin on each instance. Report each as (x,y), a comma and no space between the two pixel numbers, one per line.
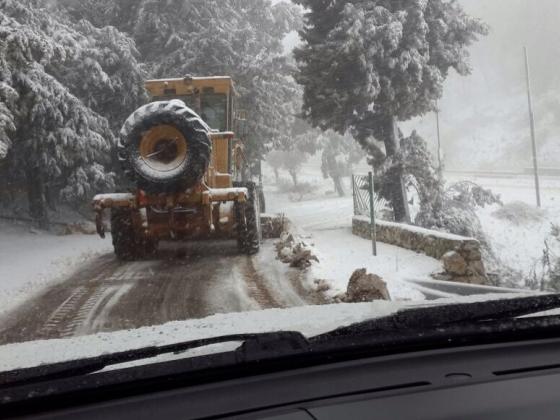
(327,219)
(519,244)
(326,223)
(31,260)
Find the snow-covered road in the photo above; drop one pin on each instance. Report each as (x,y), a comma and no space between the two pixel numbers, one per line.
(182,282)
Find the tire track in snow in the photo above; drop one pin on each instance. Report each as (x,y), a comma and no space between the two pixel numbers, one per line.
(256,286)
(82,313)
(62,312)
(93,314)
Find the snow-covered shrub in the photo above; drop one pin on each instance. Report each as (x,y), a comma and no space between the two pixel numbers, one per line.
(519,213)
(449,208)
(296,192)
(545,273)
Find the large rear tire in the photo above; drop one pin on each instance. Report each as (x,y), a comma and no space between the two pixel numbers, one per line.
(164,147)
(248,221)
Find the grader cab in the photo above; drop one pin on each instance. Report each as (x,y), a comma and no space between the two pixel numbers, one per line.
(185,163)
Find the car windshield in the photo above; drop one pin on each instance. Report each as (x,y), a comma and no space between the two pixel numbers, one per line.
(182,170)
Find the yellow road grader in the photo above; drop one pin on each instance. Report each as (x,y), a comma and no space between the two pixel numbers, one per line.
(185,161)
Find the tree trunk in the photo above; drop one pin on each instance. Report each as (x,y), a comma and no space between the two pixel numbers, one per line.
(50,198)
(37,198)
(397,188)
(293,174)
(338,186)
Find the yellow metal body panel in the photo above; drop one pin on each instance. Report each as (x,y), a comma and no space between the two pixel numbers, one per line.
(220,154)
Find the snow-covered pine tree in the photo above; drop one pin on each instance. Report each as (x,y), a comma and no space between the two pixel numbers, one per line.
(101,13)
(101,69)
(366,64)
(239,38)
(59,145)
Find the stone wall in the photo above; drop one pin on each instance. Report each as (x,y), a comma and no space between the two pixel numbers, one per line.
(461,256)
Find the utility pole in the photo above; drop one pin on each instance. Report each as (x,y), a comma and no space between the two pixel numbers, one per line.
(532,121)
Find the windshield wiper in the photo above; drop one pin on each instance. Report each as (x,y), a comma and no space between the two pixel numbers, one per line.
(445,315)
(253,347)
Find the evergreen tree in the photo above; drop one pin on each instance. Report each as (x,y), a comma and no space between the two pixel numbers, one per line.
(237,38)
(367,64)
(53,78)
(103,71)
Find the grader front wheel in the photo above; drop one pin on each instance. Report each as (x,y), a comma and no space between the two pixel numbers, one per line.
(248,221)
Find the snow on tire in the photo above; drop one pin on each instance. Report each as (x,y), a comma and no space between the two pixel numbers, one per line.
(164,147)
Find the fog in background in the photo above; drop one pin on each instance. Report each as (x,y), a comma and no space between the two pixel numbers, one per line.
(484,117)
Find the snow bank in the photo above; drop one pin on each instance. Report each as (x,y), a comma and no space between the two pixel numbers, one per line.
(519,246)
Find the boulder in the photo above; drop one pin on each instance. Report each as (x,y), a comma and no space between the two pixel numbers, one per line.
(364,287)
(454,263)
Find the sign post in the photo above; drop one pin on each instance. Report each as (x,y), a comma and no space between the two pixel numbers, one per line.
(373,229)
